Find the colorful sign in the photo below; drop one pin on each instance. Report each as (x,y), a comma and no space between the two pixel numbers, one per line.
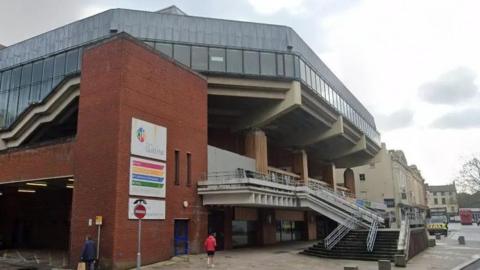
(148,140)
(153,209)
(147,177)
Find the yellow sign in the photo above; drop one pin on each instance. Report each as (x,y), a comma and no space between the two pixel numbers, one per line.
(98,220)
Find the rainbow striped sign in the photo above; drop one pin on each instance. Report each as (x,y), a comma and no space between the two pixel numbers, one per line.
(147,177)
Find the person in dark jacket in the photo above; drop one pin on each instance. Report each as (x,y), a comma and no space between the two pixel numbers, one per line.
(89,253)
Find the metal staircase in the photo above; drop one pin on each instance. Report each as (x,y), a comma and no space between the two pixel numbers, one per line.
(372,235)
(340,231)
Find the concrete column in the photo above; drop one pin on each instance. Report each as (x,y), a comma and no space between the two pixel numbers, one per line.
(227,244)
(267,227)
(300,164)
(311,220)
(256,147)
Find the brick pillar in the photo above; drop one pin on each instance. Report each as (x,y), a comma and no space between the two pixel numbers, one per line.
(311,221)
(329,175)
(300,164)
(256,147)
(266,227)
(227,244)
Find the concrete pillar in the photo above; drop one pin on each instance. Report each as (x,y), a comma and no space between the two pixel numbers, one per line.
(256,147)
(227,229)
(266,233)
(300,164)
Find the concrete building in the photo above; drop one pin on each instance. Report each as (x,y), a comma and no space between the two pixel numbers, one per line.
(444,196)
(388,184)
(225,126)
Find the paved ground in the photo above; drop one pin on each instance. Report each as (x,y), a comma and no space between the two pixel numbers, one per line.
(446,255)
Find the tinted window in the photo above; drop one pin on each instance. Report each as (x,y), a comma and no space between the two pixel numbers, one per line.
(58,69)
(72,61)
(267,64)
(5,79)
(234,61)
(302,71)
(217,59)
(47,77)
(289,66)
(36,79)
(24,93)
(251,62)
(13,95)
(181,53)
(297,67)
(164,48)
(280,65)
(199,58)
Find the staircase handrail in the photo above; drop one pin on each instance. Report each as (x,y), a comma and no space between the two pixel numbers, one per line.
(372,235)
(339,232)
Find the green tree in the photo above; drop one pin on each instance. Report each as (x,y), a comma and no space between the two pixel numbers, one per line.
(469,176)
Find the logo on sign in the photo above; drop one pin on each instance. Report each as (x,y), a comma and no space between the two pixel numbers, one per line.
(141,134)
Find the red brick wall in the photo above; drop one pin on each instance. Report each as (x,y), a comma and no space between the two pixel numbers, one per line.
(38,162)
(122,79)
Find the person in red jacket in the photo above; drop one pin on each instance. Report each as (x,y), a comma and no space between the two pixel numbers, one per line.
(210,244)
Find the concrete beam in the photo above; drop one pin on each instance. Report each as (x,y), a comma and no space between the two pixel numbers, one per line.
(235,87)
(361,145)
(311,138)
(264,116)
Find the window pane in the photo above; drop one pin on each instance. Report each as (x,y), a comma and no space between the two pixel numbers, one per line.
(72,61)
(267,64)
(289,66)
(47,77)
(15,79)
(251,62)
(36,81)
(199,58)
(150,43)
(217,59)
(164,48)
(280,64)
(307,76)
(317,84)
(234,61)
(59,69)
(25,87)
(297,67)
(13,96)
(181,53)
(26,75)
(189,169)
(302,71)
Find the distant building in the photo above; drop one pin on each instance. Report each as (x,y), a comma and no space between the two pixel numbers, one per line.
(443,196)
(388,184)
(1,46)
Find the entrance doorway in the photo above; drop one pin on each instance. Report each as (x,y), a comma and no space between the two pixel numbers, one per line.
(216,224)
(181,237)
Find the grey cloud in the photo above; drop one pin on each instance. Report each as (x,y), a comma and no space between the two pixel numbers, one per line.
(453,87)
(399,119)
(464,119)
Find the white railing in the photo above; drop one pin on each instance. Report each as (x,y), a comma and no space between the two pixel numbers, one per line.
(372,236)
(339,232)
(275,179)
(404,238)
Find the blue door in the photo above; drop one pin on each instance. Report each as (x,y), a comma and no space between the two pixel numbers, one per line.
(181,237)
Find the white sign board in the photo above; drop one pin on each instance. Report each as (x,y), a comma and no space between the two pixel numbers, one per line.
(147,177)
(148,140)
(155,209)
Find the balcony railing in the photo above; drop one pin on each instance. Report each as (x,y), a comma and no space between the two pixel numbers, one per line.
(278,180)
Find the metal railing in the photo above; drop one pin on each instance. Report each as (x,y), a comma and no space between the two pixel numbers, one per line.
(339,232)
(372,236)
(313,188)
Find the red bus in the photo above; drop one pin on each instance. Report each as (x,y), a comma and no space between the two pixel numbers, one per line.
(466,217)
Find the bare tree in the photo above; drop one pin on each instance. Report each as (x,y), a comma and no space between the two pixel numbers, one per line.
(469,176)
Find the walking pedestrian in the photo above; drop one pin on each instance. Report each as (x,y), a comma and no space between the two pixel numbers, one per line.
(210,245)
(89,253)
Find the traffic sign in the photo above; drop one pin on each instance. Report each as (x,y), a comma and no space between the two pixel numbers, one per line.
(140,211)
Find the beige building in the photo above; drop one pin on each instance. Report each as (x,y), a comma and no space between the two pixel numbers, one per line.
(444,196)
(389,184)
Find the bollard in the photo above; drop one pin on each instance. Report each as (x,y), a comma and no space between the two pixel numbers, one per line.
(438,236)
(384,265)
(350,267)
(400,260)
(461,240)
(431,242)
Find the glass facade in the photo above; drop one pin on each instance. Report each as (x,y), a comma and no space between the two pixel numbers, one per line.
(243,233)
(33,81)
(287,230)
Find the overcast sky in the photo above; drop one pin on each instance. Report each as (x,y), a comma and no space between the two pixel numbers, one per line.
(414,64)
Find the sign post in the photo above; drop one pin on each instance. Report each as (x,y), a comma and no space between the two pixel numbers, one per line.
(98,222)
(139,211)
